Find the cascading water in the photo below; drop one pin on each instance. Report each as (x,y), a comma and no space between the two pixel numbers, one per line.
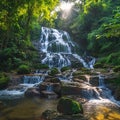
(99,93)
(59,48)
(18,91)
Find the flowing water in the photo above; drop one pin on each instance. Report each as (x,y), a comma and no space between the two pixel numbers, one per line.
(58,49)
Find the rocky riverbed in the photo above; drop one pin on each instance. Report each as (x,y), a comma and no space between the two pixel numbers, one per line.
(91,88)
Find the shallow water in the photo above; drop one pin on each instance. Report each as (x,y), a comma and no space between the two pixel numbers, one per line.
(101,110)
(31,109)
(26,109)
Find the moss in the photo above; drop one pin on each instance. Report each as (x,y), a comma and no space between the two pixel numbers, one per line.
(4,79)
(98,65)
(116,68)
(23,69)
(69,106)
(64,68)
(41,66)
(53,71)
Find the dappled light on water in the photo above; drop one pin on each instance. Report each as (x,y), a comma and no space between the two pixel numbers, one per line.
(105,113)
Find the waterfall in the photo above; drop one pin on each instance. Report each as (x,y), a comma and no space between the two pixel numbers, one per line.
(59,49)
(18,90)
(98,93)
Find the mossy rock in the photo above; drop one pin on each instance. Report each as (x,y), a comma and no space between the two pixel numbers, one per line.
(64,68)
(41,66)
(116,68)
(23,69)
(4,79)
(98,65)
(53,71)
(68,106)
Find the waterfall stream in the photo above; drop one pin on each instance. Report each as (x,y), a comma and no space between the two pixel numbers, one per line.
(59,49)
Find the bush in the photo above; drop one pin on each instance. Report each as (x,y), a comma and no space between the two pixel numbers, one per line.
(98,65)
(116,68)
(4,79)
(64,69)
(23,69)
(53,71)
(41,66)
(69,106)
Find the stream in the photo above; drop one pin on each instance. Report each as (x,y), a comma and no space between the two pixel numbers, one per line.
(59,51)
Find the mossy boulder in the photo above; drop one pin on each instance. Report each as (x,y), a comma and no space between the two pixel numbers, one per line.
(23,69)
(68,106)
(53,71)
(4,79)
(41,66)
(64,68)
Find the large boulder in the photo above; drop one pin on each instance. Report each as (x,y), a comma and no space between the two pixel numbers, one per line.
(71,88)
(68,106)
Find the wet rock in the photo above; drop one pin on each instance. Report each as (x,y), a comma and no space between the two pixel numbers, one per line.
(52,79)
(68,106)
(49,115)
(71,88)
(117,94)
(81,77)
(32,92)
(49,94)
(55,87)
(1,105)
(94,80)
(53,115)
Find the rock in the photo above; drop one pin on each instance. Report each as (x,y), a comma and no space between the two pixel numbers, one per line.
(52,80)
(32,92)
(49,94)
(94,81)
(49,115)
(117,94)
(71,88)
(68,106)
(1,105)
(55,87)
(53,115)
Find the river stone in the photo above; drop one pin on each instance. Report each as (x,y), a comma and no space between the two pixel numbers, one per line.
(49,94)
(94,80)
(49,115)
(71,88)
(32,92)
(117,94)
(68,106)
(1,105)
(53,115)
(56,87)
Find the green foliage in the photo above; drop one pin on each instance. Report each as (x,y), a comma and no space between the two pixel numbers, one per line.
(41,66)
(53,71)
(98,65)
(116,68)
(69,106)
(20,22)
(115,81)
(4,79)
(23,69)
(65,69)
